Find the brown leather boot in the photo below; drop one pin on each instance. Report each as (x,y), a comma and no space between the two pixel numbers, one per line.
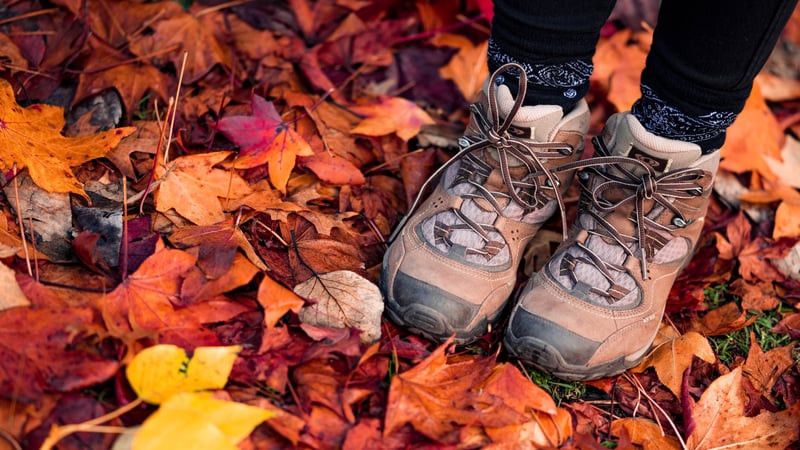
(594,308)
(452,266)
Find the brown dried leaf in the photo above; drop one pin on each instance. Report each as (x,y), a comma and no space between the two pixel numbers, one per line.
(719,420)
(672,357)
(644,432)
(763,369)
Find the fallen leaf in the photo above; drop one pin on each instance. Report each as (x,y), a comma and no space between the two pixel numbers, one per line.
(759,296)
(437,398)
(754,136)
(763,369)
(144,140)
(723,320)
(468,67)
(162,371)
(644,432)
(31,138)
(343,299)
(718,420)
(264,138)
(193,187)
(787,220)
(619,61)
(276,300)
(183,33)
(333,169)
(140,305)
(391,115)
(12,294)
(786,166)
(42,349)
(190,420)
(672,357)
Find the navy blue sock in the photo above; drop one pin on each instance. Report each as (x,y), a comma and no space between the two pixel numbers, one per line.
(563,84)
(662,119)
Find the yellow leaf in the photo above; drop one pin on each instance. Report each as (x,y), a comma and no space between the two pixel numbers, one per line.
(391,115)
(673,356)
(198,421)
(159,372)
(31,137)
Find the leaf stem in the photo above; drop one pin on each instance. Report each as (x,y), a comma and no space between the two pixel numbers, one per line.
(60,432)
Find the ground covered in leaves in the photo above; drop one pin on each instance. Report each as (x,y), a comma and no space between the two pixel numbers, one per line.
(197,197)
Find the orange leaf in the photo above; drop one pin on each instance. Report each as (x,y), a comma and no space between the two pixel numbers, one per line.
(391,115)
(277,300)
(436,398)
(193,187)
(754,135)
(467,68)
(264,138)
(333,169)
(787,220)
(141,304)
(644,432)
(763,369)
(717,420)
(31,137)
(673,357)
(619,62)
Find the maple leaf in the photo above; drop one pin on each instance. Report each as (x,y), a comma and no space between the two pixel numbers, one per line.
(31,137)
(41,350)
(644,432)
(110,69)
(264,138)
(619,62)
(391,115)
(436,398)
(184,33)
(753,136)
(763,369)
(276,300)
(717,419)
(673,355)
(193,187)
(468,67)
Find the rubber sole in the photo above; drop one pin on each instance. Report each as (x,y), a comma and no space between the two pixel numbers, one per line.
(431,324)
(545,357)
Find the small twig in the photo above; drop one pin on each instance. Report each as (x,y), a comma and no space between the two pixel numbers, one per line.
(123,266)
(655,404)
(274,234)
(150,183)
(175,109)
(28,15)
(33,244)
(59,432)
(6,436)
(221,6)
(21,224)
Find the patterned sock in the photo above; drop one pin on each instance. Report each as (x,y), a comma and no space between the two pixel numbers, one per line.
(562,84)
(662,119)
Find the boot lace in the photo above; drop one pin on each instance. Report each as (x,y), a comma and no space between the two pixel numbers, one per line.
(631,181)
(526,191)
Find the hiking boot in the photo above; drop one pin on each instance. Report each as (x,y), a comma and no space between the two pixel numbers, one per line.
(452,266)
(594,308)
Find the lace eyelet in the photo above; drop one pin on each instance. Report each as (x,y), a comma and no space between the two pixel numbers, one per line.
(549,184)
(566,151)
(697,192)
(679,222)
(583,175)
(463,142)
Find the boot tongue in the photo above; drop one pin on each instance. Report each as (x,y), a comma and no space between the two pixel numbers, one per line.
(663,155)
(535,123)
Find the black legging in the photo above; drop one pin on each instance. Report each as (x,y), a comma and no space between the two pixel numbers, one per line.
(705,53)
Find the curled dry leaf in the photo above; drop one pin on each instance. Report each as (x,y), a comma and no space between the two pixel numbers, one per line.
(343,299)
(644,432)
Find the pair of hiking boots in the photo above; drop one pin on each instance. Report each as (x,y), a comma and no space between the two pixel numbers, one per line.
(594,309)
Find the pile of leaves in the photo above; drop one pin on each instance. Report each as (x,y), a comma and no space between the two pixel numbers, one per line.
(214,182)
